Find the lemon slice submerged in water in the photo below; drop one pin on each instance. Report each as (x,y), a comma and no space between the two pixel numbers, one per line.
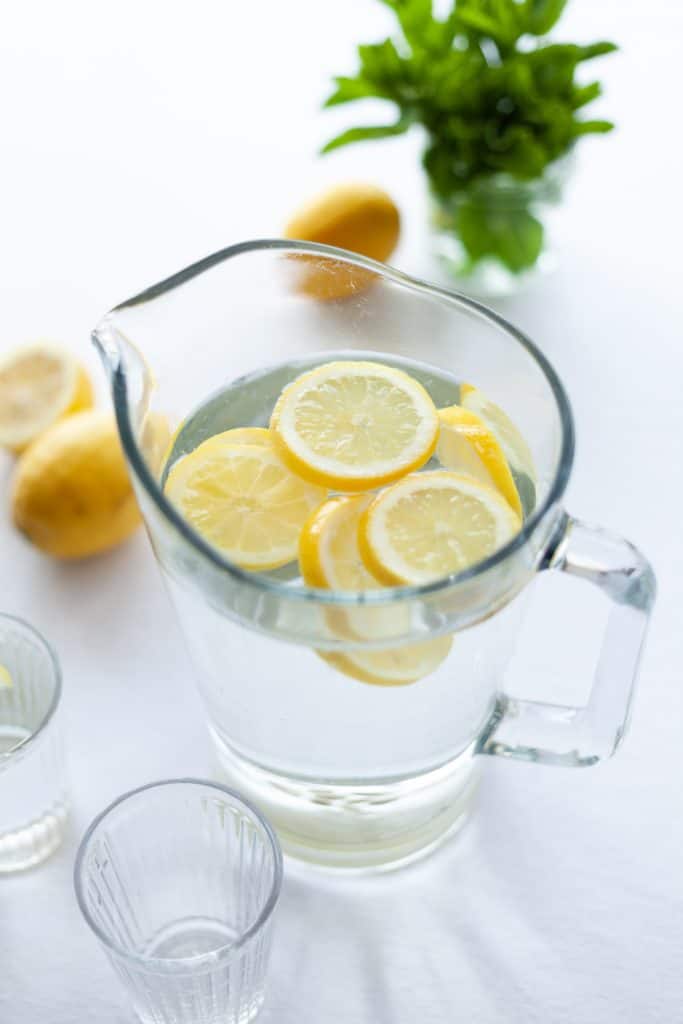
(244,501)
(353,426)
(396,666)
(5,678)
(432,524)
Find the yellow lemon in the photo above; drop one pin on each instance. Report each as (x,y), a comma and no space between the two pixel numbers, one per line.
(329,558)
(244,500)
(39,384)
(358,217)
(5,678)
(71,494)
(237,435)
(328,546)
(396,666)
(430,525)
(353,426)
(467,445)
(509,437)
(246,435)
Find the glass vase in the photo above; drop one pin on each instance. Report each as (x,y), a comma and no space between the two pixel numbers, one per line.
(498,235)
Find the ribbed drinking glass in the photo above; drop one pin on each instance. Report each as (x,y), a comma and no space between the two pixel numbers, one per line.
(179,881)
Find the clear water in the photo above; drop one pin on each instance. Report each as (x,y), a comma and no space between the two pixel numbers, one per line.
(281,706)
(249,401)
(193,936)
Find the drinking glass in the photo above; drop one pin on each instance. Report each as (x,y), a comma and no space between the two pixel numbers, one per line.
(179,880)
(33,797)
(353,774)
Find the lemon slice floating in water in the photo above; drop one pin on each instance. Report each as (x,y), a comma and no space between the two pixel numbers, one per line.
(353,426)
(328,547)
(467,445)
(246,435)
(329,557)
(431,524)
(515,448)
(243,500)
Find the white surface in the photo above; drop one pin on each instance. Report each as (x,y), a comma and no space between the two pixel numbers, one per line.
(138,137)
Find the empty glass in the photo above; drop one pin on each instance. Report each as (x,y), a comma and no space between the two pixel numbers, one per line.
(179,880)
(33,801)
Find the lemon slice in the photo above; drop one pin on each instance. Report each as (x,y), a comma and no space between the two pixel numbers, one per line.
(467,445)
(353,426)
(329,557)
(244,501)
(328,546)
(397,666)
(236,435)
(245,435)
(515,448)
(5,678)
(429,525)
(39,384)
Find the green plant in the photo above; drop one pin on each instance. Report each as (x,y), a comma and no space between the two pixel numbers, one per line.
(493,97)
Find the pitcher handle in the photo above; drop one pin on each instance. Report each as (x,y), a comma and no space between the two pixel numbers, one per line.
(579,736)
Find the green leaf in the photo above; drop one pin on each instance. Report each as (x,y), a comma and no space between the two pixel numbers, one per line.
(487,106)
(365,134)
(592,127)
(581,95)
(540,15)
(349,89)
(513,236)
(497,19)
(596,50)
(380,62)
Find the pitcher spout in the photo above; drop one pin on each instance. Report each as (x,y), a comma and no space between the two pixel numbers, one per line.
(129,376)
(105,340)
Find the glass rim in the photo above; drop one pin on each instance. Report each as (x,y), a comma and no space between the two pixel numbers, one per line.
(53,660)
(202,961)
(281,590)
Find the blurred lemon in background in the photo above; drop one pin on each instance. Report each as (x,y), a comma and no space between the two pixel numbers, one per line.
(358,217)
(71,494)
(39,384)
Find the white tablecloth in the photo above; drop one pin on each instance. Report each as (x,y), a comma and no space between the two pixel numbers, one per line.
(138,137)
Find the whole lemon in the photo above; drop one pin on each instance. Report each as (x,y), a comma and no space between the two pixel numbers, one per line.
(355,216)
(71,494)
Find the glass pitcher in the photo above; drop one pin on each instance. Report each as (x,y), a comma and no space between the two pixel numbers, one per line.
(352,774)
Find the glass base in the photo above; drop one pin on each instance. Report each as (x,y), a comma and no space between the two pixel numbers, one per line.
(354,826)
(27,846)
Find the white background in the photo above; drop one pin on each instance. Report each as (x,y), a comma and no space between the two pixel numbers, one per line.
(136,137)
